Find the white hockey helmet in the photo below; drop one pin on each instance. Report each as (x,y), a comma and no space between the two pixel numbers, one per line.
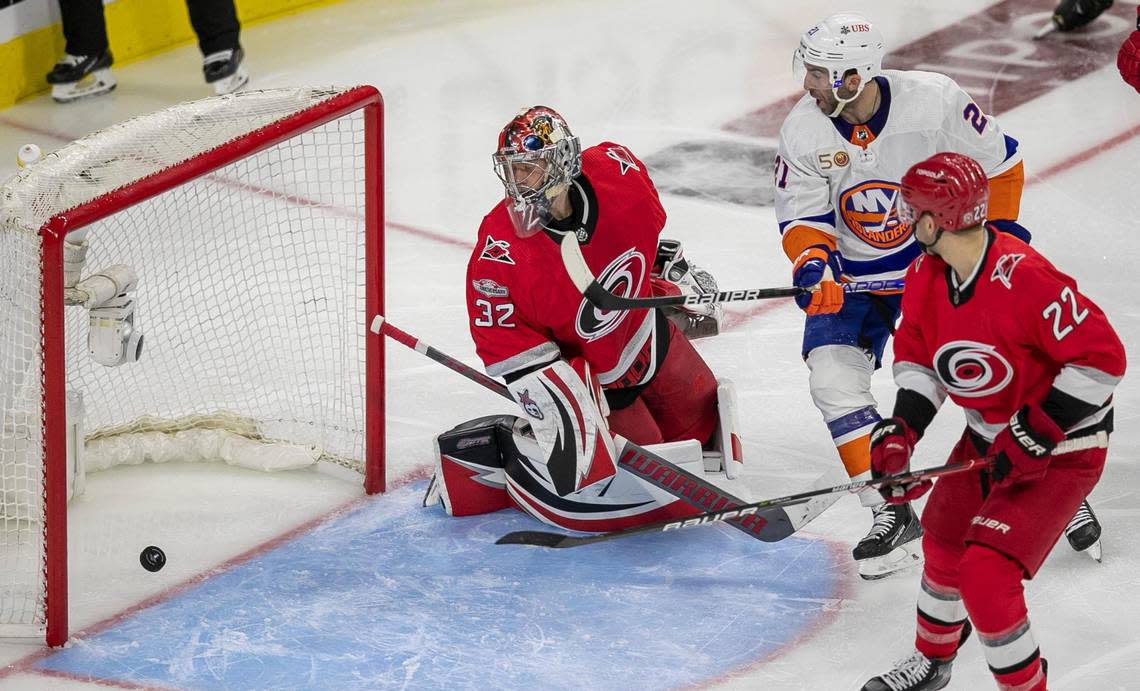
(842,42)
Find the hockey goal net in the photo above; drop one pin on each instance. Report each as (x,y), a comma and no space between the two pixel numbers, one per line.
(251,227)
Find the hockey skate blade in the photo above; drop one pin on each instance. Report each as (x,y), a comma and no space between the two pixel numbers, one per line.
(232,83)
(98,82)
(1045,31)
(899,559)
(1094,551)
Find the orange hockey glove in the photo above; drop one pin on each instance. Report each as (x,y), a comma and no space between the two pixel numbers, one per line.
(813,270)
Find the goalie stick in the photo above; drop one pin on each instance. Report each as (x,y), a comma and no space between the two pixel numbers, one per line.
(546,539)
(770,525)
(586,283)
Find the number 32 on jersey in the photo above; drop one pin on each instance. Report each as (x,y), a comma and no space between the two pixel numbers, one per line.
(491,314)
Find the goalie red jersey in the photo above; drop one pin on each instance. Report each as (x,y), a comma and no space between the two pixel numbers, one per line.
(524,310)
(1004,337)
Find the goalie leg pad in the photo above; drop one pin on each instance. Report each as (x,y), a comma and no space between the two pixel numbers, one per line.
(469,476)
(682,396)
(727,438)
(566,410)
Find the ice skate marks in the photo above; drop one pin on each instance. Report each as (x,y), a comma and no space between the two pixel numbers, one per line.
(395,595)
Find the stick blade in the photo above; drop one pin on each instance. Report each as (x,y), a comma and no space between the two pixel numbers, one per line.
(538,538)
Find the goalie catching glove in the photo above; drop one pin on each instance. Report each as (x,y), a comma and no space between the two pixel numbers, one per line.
(673,275)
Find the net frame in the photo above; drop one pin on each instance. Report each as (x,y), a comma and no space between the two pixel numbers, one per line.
(313,108)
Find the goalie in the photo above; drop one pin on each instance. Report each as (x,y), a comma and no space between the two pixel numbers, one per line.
(580,374)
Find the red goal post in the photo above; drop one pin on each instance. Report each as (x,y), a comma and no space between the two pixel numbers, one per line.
(253,224)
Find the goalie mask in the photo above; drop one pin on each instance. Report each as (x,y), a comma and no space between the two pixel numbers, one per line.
(839,44)
(536,158)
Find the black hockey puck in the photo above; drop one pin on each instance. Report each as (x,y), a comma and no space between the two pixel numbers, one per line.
(152,558)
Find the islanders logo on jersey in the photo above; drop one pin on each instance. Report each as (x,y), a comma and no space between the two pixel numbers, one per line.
(971,370)
(622,277)
(868,209)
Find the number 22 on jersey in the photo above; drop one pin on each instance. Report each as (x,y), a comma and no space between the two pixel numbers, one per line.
(1057,313)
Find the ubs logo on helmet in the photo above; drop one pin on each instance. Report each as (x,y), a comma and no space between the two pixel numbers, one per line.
(869,211)
(971,369)
(622,277)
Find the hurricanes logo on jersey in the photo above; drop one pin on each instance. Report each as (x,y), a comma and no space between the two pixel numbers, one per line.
(972,370)
(622,277)
(868,209)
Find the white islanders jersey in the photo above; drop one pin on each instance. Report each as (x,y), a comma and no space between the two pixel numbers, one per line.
(843,179)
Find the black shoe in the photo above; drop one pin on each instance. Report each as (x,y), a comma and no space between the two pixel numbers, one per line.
(915,673)
(918,672)
(73,68)
(894,525)
(1084,529)
(224,71)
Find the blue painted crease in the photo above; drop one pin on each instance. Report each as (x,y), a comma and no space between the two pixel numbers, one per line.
(396,596)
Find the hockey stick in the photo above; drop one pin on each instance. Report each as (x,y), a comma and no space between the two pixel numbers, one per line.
(586,283)
(546,539)
(382,326)
(771,525)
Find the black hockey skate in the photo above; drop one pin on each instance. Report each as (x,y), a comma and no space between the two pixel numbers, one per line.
(76,76)
(892,545)
(224,71)
(1083,531)
(918,672)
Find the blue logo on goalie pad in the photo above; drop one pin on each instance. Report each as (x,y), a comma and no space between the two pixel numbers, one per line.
(397,596)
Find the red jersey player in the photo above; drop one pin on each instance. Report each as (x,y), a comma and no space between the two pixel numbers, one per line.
(1128,57)
(991,323)
(576,371)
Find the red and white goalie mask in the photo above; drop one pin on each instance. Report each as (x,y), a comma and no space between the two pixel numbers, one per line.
(536,158)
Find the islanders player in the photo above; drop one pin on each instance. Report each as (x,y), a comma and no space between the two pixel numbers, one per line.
(579,374)
(843,148)
(993,325)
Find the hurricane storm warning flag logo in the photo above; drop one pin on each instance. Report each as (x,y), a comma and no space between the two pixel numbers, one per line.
(868,209)
(972,370)
(623,277)
(497,251)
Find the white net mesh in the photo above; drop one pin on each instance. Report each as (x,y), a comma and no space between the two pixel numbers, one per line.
(251,296)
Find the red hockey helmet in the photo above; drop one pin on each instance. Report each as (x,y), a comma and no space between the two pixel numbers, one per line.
(950,187)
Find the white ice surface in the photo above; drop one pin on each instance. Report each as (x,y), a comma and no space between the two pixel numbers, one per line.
(647,74)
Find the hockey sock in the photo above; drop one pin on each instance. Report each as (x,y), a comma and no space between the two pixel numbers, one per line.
(851,434)
(852,437)
(941,613)
(995,598)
